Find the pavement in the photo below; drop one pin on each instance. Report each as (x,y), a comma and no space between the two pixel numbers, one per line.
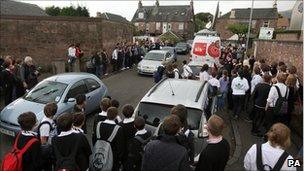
(128,88)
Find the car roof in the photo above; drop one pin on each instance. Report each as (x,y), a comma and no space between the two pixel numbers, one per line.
(71,77)
(158,51)
(186,92)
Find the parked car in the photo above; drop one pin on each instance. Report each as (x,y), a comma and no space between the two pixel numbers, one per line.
(189,42)
(152,60)
(62,89)
(159,100)
(172,51)
(182,48)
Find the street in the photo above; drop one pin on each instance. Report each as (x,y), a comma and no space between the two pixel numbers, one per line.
(128,88)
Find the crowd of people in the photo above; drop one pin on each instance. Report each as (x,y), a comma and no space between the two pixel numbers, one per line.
(16,77)
(121,142)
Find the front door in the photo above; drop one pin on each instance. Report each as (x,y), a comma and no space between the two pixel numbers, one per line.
(165,25)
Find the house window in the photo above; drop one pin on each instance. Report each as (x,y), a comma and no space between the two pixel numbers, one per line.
(141,15)
(158,26)
(266,24)
(180,26)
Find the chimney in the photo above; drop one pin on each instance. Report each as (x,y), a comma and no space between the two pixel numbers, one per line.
(98,14)
(157,3)
(140,4)
(232,13)
(275,4)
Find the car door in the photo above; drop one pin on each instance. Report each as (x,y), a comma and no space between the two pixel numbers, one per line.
(94,94)
(76,89)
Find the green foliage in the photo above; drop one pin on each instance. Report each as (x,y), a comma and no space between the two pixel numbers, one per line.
(68,11)
(170,37)
(239,29)
(201,19)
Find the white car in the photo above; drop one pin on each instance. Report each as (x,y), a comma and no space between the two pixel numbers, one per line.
(196,67)
(159,100)
(152,60)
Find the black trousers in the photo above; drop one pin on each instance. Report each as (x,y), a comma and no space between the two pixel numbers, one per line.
(115,65)
(258,118)
(8,95)
(238,102)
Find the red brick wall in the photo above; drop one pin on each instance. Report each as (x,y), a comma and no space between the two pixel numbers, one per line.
(289,36)
(289,52)
(47,38)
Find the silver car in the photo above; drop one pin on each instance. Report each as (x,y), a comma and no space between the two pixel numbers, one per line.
(62,89)
(152,60)
(194,95)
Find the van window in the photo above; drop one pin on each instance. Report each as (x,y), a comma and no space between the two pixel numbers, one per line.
(154,114)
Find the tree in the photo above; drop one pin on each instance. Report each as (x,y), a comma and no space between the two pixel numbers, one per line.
(239,29)
(68,11)
(52,11)
(201,19)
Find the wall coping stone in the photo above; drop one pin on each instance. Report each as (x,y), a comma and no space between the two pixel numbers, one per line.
(274,40)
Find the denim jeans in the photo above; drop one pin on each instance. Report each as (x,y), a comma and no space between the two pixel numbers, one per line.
(222,101)
(98,70)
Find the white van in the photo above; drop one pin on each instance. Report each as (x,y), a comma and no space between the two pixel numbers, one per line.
(206,48)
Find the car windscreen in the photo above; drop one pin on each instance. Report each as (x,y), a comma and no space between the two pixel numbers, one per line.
(154,114)
(154,56)
(196,69)
(45,92)
(181,45)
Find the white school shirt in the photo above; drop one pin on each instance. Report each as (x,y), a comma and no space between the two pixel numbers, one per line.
(270,156)
(239,86)
(256,79)
(204,76)
(187,71)
(141,132)
(115,54)
(176,73)
(45,128)
(273,93)
(72,51)
(214,82)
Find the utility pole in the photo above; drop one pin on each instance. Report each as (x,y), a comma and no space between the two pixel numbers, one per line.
(249,27)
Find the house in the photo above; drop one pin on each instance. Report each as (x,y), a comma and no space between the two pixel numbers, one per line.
(156,20)
(261,17)
(283,23)
(112,17)
(9,7)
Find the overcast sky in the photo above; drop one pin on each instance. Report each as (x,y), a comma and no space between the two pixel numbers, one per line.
(128,8)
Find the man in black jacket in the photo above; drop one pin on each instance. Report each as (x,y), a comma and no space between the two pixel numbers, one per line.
(8,82)
(164,153)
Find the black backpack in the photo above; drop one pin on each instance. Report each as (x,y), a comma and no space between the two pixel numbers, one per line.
(67,163)
(281,105)
(261,166)
(143,143)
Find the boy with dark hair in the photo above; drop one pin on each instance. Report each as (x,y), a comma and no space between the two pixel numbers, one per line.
(136,145)
(26,140)
(71,149)
(105,103)
(128,127)
(80,103)
(78,122)
(80,107)
(46,131)
(117,144)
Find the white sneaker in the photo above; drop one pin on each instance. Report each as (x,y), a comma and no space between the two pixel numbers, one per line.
(106,74)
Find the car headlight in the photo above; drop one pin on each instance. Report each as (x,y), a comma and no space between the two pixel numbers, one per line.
(138,66)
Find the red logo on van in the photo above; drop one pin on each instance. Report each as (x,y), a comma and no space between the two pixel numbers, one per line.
(200,49)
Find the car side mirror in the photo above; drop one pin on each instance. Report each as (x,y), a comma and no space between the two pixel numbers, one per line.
(71,100)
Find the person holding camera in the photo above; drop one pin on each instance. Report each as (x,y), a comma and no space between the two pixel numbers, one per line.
(29,73)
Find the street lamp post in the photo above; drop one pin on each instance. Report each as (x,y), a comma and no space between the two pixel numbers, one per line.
(249,27)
